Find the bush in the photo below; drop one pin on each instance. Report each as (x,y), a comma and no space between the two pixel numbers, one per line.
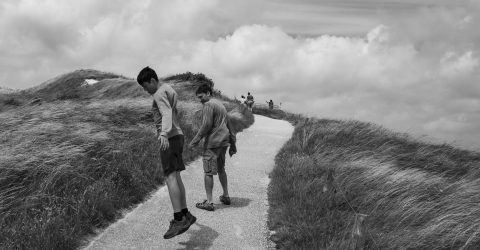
(188,76)
(278,114)
(12,102)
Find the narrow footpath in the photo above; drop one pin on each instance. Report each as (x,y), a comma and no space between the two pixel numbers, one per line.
(242,225)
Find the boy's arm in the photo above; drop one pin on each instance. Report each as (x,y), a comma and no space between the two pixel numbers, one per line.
(232,136)
(165,110)
(207,122)
(157,117)
(232,139)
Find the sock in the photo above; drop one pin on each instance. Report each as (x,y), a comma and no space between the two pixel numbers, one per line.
(185,211)
(178,216)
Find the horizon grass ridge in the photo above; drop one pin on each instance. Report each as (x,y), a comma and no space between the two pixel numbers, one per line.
(415,195)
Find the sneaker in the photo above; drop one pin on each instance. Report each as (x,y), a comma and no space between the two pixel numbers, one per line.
(191,219)
(177,227)
(225,200)
(205,205)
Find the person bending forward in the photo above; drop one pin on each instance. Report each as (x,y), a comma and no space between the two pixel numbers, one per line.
(217,137)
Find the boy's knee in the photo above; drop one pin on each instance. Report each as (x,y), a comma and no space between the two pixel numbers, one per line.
(209,175)
(172,176)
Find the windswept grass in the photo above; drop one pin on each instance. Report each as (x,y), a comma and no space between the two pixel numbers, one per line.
(415,195)
(69,166)
(190,77)
(278,114)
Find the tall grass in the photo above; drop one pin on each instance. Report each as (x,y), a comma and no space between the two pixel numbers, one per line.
(190,77)
(70,166)
(416,195)
(278,114)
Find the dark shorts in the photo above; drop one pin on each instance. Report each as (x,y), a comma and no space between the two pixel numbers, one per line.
(172,159)
(214,160)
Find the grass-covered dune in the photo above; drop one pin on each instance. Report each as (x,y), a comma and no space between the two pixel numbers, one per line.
(415,195)
(74,155)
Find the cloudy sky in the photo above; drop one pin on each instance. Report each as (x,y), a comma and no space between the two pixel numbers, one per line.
(409,65)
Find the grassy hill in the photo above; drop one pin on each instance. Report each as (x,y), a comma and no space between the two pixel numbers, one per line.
(73,155)
(346,184)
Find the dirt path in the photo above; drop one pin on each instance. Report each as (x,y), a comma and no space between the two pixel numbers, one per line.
(241,225)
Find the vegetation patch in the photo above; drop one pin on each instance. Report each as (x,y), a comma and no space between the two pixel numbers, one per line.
(190,77)
(345,184)
(278,114)
(11,101)
(70,166)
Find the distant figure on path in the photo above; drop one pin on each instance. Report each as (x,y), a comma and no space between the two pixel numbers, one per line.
(171,140)
(217,135)
(270,104)
(243,101)
(250,101)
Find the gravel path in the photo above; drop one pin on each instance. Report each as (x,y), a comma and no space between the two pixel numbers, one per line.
(242,225)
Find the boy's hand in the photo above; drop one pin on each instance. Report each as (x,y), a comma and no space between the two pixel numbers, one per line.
(163,142)
(232,150)
(193,144)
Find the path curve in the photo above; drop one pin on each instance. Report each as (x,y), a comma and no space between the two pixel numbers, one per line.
(242,225)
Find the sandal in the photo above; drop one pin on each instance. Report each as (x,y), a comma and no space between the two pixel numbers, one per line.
(225,200)
(205,205)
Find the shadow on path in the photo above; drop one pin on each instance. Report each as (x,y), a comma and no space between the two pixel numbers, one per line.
(235,202)
(201,239)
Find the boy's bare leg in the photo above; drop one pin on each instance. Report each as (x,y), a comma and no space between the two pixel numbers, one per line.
(183,198)
(174,192)
(223,180)
(209,187)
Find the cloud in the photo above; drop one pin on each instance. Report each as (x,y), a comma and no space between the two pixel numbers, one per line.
(415,69)
(418,82)
(41,39)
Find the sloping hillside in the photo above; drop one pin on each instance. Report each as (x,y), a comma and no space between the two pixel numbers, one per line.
(354,185)
(6,90)
(74,154)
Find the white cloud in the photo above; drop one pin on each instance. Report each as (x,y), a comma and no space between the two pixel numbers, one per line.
(41,39)
(381,78)
(414,70)
(453,65)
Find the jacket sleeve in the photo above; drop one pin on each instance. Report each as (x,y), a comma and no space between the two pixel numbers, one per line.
(157,118)
(165,110)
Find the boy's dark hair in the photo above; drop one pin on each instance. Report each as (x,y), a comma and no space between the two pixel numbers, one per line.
(204,88)
(145,75)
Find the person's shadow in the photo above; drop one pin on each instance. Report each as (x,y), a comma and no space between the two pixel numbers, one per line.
(201,239)
(235,202)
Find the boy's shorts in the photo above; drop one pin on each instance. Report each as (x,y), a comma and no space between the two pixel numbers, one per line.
(214,160)
(171,158)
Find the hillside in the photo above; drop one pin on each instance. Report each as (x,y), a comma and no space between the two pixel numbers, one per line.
(74,154)
(6,90)
(354,185)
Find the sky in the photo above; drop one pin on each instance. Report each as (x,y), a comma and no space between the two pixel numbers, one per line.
(409,65)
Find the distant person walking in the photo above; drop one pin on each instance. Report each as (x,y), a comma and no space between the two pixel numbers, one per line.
(270,104)
(250,101)
(171,140)
(217,135)
(243,100)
